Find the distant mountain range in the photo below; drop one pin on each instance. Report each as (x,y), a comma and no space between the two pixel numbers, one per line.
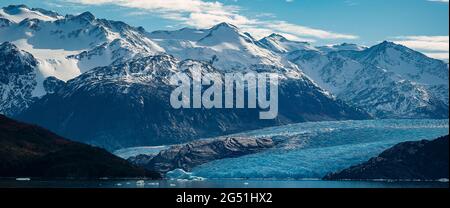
(127,105)
(105,83)
(31,151)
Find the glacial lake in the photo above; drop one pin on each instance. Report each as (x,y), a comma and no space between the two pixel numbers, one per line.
(216,183)
(312,150)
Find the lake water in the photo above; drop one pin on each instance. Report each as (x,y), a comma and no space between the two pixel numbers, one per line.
(216,183)
(308,150)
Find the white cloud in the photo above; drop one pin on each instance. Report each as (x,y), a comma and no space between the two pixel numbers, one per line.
(441,1)
(433,46)
(441,56)
(204,14)
(283,26)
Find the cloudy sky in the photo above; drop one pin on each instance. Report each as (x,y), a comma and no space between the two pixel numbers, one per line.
(419,24)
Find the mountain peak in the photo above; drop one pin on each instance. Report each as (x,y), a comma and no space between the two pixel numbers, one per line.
(224,25)
(279,44)
(281,38)
(388,44)
(17,13)
(225,32)
(13,9)
(347,44)
(7,46)
(10,50)
(87,16)
(276,36)
(342,47)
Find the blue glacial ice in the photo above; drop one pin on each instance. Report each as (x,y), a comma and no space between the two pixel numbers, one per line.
(180,174)
(317,148)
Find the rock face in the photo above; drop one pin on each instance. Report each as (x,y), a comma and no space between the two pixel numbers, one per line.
(189,155)
(59,47)
(386,80)
(105,83)
(17,79)
(128,104)
(52,84)
(423,160)
(83,41)
(30,151)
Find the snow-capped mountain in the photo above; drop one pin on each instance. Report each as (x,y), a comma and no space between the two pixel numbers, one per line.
(188,34)
(387,80)
(17,13)
(63,47)
(280,44)
(406,62)
(224,45)
(128,104)
(17,79)
(342,47)
(67,46)
(21,81)
(120,72)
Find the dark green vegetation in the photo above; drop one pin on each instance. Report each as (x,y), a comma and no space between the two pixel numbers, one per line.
(31,151)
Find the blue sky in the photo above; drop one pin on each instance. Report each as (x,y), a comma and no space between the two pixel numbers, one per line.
(420,24)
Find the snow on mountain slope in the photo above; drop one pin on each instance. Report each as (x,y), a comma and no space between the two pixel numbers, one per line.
(138,110)
(17,13)
(406,62)
(224,45)
(317,66)
(68,46)
(410,85)
(22,81)
(411,65)
(280,44)
(342,47)
(65,47)
(124,42)
(189,34)
(17,79)
(386,82)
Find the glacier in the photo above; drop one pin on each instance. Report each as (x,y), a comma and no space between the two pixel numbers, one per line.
(313,149)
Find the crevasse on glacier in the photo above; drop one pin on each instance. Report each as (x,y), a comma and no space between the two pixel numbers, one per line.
(314,149)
